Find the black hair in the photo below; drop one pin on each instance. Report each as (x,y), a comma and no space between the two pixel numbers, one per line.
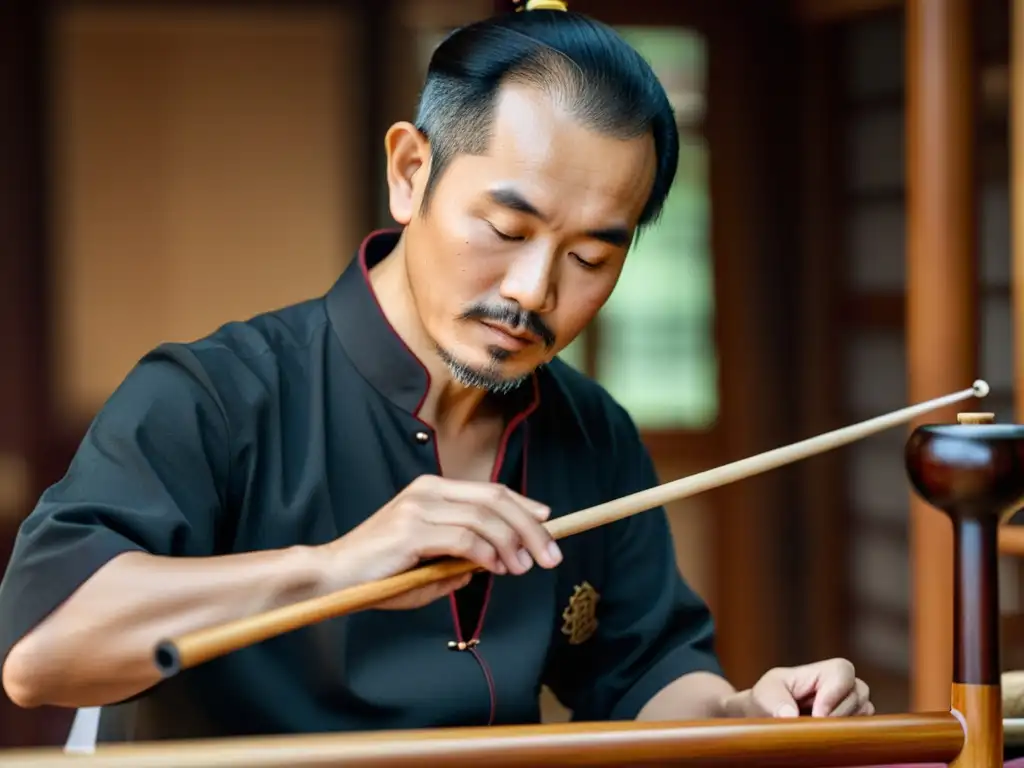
(601,78)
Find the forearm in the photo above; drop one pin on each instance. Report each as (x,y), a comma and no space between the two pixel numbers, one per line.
(97,647)
(697,696)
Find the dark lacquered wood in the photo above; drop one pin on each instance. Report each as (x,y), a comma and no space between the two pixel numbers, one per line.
(974,473)
(797,743)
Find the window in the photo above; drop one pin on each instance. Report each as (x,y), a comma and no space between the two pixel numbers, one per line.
(652,346)
(204,171)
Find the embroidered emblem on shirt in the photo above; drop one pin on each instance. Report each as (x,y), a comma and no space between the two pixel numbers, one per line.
(580,616)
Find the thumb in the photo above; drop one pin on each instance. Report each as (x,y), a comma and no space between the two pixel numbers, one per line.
(773,696)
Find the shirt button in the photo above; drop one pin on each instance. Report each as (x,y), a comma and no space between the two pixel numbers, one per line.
(422,437)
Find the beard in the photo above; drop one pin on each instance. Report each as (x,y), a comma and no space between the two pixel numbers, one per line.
(488,378)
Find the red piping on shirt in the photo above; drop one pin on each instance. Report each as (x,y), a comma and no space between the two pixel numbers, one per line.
(499,460)
(472,644)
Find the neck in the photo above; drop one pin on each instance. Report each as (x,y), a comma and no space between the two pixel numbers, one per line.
(449,406)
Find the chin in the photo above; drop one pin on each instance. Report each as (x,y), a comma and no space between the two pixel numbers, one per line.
(485,369)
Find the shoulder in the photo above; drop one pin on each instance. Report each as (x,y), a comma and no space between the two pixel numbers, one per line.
(582,407)
(264,342)
(243,358)
(229,375)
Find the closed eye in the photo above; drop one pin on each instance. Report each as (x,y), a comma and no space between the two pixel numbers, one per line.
(504,236)
(584,263)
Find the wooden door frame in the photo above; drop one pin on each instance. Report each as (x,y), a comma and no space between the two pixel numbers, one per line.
(24,376)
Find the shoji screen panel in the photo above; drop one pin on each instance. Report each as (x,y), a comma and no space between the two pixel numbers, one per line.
(208,166)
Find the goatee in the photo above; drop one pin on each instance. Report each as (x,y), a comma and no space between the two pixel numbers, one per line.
(488,378)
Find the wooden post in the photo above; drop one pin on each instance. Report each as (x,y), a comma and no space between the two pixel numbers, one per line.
(943,465)
(941,295)
(1017,209)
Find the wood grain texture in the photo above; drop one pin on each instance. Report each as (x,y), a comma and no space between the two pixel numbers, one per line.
(1011,540)
(797,743)
(942,316)
(981,706)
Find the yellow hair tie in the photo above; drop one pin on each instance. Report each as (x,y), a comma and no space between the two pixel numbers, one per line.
(545,5)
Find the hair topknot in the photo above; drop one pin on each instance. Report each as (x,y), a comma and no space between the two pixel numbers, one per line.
(544,5)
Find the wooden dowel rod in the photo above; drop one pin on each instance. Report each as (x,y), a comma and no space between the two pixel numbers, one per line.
(197,647)
(935,737)
(1011,540)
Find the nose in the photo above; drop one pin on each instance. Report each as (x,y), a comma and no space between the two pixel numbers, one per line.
(529,280)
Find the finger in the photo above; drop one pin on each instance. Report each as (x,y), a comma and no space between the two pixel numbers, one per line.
(451,530)
(863,698)
(541,511)
(454,584)
(846,707)
(467,490)
(866,709)
(426,595)
(836,681)
(488,524)
(522,514)
(440,589)
(773,697)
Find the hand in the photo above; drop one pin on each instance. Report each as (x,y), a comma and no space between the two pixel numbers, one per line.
(824,689)
(432,517)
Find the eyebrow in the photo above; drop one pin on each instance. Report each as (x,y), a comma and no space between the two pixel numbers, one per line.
(620,237)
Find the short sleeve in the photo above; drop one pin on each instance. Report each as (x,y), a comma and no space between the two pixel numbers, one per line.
(147,477)
(652,627)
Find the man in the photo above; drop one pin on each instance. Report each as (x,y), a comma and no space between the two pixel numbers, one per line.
(415,411)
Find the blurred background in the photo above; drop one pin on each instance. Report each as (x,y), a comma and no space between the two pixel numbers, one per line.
(169,166)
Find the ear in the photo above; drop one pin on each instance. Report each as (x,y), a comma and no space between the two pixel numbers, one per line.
(408,153)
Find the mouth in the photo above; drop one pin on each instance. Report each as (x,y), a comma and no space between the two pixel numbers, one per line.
(509,338)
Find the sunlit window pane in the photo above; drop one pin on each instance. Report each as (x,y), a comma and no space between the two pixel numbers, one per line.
(656,353)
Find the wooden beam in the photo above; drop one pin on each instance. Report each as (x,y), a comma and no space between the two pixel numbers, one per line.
(1016,104)
(824,511)
(942,325)
(748,578)
(832,11)
(1011,540)
(24,305)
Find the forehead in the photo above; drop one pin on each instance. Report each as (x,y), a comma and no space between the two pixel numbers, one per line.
(563,167)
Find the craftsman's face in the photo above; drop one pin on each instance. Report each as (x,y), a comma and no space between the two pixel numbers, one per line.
(518,248)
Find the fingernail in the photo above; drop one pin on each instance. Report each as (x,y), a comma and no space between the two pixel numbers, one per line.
(525,560)
(554,553)
(543,513)
(787,710)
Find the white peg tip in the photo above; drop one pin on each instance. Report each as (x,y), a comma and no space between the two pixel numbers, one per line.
(981,388)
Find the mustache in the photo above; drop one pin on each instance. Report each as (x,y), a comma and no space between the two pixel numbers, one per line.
(512,316)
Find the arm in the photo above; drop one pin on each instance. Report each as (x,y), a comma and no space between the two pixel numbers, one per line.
(696,696)
(117,555)
(652,656)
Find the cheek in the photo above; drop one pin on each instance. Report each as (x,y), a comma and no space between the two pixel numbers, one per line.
(578,305)
(471,259)
(451,268)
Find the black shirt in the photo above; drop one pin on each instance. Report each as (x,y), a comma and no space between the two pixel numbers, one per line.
(291,429)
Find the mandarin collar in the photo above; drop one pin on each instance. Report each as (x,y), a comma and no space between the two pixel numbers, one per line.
(375,348)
